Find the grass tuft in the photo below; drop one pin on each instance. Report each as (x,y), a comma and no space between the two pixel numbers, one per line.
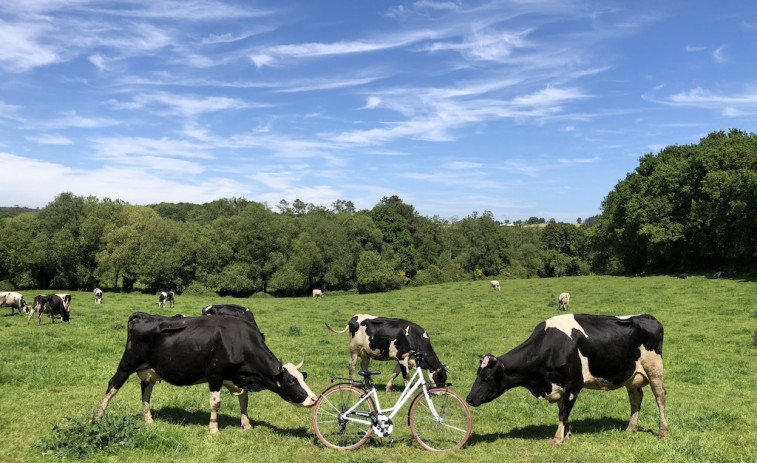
(77,438)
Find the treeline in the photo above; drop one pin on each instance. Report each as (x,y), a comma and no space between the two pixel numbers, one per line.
(687,207)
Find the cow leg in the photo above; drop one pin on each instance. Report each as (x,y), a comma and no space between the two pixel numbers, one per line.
(655,382)
(114,385)
(215,405)
(634,397)
(365,362)
(397,371)
(353,362)
(565,405)
(243,401)
(146,394)
(653,368)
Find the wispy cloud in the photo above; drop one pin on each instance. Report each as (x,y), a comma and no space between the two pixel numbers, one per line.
(50,139)
(183,105)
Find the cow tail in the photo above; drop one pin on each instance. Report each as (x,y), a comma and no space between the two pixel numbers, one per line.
(335,331)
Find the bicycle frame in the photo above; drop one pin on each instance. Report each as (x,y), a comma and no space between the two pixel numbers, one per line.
(417,380)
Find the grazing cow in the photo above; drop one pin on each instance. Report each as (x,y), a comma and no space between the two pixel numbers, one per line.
(719,275)
(165,296)
(50,304)
(98,295)
(494,284)
(641,274)
(218,350)
(563,300)
(382,338)
(230,310)
(14,301)
(568,352)
(317,293)
(682,276)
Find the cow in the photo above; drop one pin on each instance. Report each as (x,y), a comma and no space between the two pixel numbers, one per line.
(382,338)
(165,296)
(191,350)
(569,352)
(719,275)
(641,274)
(98,295)
(494,284)
(50,304)
(66,300)
(682,276)
(317,293)
(14,301)
(563,300)
(231,310)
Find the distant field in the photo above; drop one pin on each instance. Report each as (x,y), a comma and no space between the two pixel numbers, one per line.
(52,372)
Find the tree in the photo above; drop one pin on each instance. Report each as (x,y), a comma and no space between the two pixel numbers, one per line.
(374,274)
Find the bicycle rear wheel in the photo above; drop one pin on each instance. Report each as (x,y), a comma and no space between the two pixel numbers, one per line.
(453,427)
(339,432)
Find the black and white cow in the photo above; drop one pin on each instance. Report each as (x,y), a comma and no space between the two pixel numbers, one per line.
(165,296)
(382,338)
(51,304)
(14,301)
(230,310)
(191,350)
(98,295)
(567,353)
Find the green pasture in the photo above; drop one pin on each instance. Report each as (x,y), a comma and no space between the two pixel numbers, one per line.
(51,374)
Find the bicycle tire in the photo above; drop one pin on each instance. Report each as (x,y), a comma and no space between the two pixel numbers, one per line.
(449,434)
(339,434)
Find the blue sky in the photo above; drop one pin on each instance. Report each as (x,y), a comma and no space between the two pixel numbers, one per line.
(522,108)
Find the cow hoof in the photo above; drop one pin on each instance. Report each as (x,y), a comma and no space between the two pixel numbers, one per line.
(214,431)
(555,441)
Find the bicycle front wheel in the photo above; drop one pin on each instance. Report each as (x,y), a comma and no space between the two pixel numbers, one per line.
(447,429)
(337,430)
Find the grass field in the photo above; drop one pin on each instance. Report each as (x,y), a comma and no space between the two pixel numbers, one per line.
(51,373)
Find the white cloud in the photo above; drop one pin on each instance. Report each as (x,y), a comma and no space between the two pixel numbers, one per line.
(22,48)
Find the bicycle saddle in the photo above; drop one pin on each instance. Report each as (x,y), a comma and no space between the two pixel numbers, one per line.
(368,374)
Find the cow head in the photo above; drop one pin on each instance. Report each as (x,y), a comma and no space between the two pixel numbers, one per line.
(65,313)
(290,385)
(490,381)
(439,376)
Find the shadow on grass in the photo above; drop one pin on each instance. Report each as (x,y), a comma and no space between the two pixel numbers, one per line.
(183,417)
(547,431)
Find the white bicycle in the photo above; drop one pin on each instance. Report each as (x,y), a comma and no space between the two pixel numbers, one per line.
(346,414)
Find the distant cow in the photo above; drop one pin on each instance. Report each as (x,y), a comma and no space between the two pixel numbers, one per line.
(718,275)
(51,304)
(682,276)
(191,350)
(317,293)
(382,338)
(14,301)
(567,353)
(494,284)
(98,295)
(66,300)
(563,300)
(165,296)
(641,274)
(230,310)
